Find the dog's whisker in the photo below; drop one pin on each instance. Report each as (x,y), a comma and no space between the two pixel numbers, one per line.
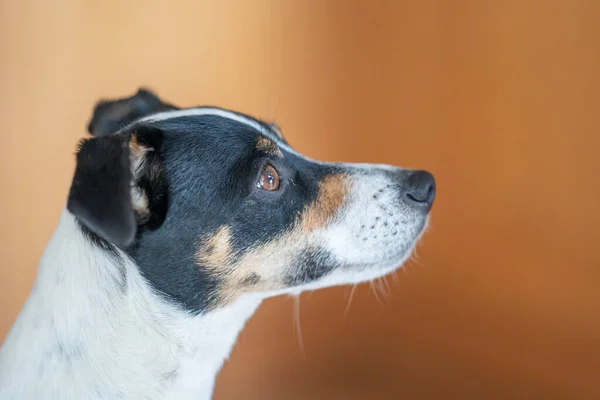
(374,291)
(387,292)
(379,288)
(352,293)
(415,253)
(414,259)
(387,286)
(297,324)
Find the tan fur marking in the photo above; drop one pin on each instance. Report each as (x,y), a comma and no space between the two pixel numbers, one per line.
(267,261)
(268,146)
(270,260)
(139,200)
(215,253)
(137,152)
(332,195)
(137,155)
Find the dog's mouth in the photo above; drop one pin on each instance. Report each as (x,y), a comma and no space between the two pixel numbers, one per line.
(390,261)
(385,264)
(358,272)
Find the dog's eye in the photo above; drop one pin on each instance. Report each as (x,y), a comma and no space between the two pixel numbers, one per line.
(269,178)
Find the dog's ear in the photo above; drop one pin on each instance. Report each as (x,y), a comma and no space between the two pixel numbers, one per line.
(111,115)
(119,185)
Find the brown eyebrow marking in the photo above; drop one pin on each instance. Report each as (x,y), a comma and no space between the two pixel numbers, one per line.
(268,146)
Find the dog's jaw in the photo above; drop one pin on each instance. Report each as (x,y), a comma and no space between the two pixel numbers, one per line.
(92,328)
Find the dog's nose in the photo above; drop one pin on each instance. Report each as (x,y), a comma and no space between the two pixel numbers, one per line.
(419,190)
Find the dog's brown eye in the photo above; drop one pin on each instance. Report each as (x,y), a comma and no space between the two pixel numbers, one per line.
(269,178)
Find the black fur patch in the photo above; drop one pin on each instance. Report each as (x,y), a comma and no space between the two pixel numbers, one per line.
(311,264)
(112,115)
(251,279)
(100,194)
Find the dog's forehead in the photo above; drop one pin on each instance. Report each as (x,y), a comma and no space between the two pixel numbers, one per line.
(200,113)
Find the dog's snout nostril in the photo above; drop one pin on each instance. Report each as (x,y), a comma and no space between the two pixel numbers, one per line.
(419,190)
(420,196)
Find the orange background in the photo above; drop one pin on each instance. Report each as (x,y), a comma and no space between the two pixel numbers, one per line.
(500,99)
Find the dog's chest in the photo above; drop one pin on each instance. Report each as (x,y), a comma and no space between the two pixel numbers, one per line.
(96,358)
(89,332)
(204,353)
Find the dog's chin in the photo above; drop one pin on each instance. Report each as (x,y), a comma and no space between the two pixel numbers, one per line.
(353,273)
(349,274)
(358,273)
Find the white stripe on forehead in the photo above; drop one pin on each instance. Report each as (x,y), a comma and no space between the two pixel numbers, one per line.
(219,112)
(242,119)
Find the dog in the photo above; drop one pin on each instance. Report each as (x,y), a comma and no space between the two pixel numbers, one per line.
(178,223)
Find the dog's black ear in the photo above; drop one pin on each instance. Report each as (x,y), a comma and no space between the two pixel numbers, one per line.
(111,115)
(119,185)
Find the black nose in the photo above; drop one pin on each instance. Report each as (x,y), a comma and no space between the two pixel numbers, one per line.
(419,191)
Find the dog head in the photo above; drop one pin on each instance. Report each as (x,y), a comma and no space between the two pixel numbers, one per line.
(212,204)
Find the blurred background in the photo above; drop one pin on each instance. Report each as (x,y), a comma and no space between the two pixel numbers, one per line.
(499,99)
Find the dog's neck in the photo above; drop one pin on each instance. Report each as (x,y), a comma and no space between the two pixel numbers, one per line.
(93,324)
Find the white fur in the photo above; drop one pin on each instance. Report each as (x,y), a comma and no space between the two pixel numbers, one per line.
(91,325)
